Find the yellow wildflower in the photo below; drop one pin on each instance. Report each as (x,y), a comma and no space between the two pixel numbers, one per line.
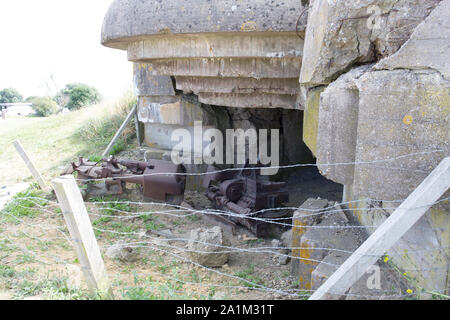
(409,291)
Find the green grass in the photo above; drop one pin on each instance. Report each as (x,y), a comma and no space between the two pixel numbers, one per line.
(152,225)
(7,271)
(147,289)
(249,274)
(24,204)
(53,142)
(49,288)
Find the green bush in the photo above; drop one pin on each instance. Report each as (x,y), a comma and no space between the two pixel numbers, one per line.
(80,95)
(10,95)
(43,106)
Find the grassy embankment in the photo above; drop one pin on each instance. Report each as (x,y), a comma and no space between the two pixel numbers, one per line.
(54,141)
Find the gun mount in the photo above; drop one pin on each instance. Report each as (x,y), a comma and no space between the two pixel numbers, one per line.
(254,200)
(161,180)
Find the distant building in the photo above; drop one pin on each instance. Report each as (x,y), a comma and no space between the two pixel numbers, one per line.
(17,109)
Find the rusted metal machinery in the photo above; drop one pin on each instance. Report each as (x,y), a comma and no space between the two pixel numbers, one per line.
(161,180)
(248,197)
(252,200)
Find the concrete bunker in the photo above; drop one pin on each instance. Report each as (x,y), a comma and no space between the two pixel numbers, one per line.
(364,95)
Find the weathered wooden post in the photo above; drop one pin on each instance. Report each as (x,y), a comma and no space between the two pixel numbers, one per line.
(30,165)
(82,234)
(138,128)
(119,132)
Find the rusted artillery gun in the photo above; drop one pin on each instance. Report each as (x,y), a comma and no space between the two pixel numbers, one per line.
(161,180)
(251,200)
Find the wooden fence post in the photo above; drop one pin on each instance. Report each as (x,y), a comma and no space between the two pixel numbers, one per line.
(119,132)
(405,217)
(138,128)
(82,234)
(30,165)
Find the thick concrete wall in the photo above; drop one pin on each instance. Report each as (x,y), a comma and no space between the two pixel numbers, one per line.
(127,19)
(397,109)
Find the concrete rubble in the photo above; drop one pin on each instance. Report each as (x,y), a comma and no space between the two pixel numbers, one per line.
(206,247)
(122,252)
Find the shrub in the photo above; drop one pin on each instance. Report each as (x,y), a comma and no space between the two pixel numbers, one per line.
(10,95)
(44,106)
(80,95)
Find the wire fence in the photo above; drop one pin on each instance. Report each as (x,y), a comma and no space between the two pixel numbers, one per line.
(151,253)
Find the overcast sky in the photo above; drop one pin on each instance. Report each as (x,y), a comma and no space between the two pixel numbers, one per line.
(60,37)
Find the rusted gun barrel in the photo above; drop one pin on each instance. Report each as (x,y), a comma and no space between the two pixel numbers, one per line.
(160,179)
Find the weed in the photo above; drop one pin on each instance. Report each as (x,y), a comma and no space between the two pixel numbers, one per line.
(154,226)
(6,246)
(193,218)
(24,205)
(117,148)
(27,288)
(212,292)
(95,158)
(7,271)
(51,288)
(25,258)
(248,274)
(137,293)
(195,277)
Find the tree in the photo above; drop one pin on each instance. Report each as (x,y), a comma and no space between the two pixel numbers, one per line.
(80,95)
(43,106)
(10,95)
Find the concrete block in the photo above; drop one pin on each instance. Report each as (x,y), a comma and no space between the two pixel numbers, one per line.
(326,268)
(423,251)
(401,112)
(305,216)
(256,68)
(133,19)
(337,127)
(160,136)
(340,34)
(216,45)
(317,243)
(311,118)
(146,84)
(181,110)
(425,50)
(251,100)
(237,85)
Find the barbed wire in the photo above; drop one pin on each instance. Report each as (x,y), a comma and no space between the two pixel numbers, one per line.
(298,165)
(163,245)
(259,287)
(182,247)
